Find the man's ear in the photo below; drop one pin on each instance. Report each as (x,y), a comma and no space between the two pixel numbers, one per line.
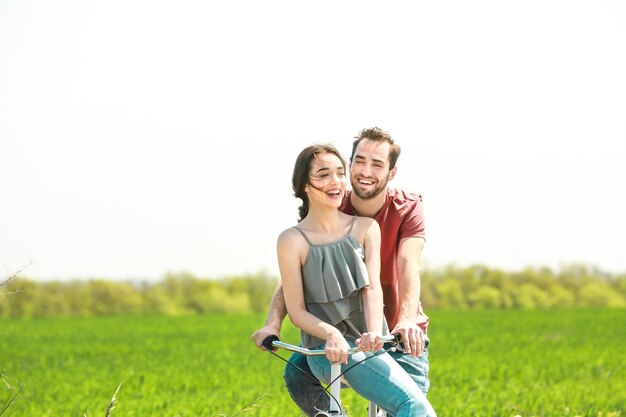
(392,173)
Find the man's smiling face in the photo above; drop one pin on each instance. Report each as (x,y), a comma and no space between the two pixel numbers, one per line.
(369,169)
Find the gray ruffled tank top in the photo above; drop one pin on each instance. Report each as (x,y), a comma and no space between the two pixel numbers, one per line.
(332,277)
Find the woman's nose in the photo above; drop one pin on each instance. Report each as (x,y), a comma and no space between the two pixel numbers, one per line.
(335,178)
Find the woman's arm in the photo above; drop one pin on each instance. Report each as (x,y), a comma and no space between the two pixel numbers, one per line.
(373,294)
(291,249)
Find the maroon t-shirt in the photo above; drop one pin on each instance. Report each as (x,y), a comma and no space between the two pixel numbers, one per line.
(401,216)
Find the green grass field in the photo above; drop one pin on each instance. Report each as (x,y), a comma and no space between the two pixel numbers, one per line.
(489,363)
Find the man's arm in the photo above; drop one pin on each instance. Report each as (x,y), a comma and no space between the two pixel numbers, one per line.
(274,320)
(408,264)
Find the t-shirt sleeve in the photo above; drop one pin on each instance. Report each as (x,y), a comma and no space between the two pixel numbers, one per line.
(413,224)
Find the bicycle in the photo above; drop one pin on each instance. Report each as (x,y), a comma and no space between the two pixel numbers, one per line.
(335,409)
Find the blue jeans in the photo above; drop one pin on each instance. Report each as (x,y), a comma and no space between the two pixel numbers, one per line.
(310,396)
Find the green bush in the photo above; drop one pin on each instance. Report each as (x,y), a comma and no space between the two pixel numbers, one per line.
(474,287)
(485,297)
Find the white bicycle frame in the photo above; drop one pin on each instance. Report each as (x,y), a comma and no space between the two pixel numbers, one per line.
(336,410)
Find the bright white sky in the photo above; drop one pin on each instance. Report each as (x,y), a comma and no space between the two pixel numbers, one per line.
(141,137)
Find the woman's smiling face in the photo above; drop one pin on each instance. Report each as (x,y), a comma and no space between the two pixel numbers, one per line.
(327,179)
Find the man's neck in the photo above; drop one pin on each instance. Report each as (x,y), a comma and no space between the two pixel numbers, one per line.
(369,207)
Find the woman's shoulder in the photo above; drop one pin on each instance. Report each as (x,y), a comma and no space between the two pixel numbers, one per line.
(288,233)
(365,222)
(291,236)
(356,220)
(364,226)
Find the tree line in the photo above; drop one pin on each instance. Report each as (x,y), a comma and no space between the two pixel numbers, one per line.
(473,287)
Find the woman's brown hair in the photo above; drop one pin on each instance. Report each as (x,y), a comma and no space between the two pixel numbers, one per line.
(302,170)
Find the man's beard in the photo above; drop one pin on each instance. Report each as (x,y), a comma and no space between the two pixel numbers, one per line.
(368,195)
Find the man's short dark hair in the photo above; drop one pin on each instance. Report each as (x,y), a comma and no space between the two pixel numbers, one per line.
(376,134)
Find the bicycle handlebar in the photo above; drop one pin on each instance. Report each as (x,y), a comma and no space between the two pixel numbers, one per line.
(272,342)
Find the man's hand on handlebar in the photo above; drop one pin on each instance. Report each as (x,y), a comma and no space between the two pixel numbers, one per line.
(412,337)
(263,333)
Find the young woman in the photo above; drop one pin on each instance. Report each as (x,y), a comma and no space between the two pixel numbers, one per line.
(329,265)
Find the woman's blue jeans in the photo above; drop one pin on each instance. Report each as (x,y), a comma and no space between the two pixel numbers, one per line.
(398,386)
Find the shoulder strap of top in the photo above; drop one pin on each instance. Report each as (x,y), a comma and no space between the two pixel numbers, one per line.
(352,225)
(303,234)
(307,239)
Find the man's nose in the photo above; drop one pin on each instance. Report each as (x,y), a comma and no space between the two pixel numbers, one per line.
(366,170)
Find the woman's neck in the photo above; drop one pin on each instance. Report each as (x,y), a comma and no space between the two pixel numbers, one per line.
(323,220)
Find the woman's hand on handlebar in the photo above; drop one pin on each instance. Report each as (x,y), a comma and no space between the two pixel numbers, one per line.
(370,342)
(337,348)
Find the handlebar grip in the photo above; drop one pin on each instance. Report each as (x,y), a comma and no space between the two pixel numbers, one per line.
(267,342)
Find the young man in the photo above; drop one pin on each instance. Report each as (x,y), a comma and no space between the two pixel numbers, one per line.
(401,219)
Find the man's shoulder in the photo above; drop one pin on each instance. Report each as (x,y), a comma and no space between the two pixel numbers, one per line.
(403,199)
(346,205)
(408,209)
